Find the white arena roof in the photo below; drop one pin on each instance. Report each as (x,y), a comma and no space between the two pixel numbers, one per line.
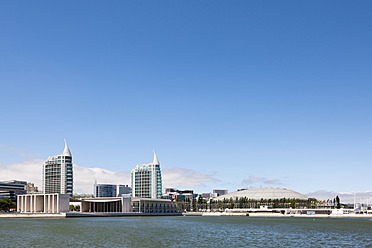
(265,193)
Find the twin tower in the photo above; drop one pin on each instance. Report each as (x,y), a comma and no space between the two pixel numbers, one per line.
(58,174)
(146,180)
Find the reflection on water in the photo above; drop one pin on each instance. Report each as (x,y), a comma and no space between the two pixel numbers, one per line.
(186,232)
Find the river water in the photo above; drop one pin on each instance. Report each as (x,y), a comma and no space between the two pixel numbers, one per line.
(186,232)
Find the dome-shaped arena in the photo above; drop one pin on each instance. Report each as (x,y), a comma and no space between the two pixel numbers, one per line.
(263,193)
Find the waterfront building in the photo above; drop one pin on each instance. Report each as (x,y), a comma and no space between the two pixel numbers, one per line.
(146,180)
(43,203)
(145,205)
(127,205)
(58,173)
(11,189)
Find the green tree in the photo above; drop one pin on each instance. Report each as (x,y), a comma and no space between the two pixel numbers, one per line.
(75,208)
(7,204)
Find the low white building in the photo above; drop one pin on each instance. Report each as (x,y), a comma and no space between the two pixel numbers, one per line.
(43,203)
(148,205)
(127,205)
(105,205)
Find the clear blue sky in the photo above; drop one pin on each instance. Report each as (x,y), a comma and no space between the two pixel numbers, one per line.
(238,90)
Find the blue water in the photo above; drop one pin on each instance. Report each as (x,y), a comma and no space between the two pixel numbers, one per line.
(186,232)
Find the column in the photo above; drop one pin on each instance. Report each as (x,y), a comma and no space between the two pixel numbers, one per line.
(57,196)
(32,210)
(35,203)
(30,202)
(26,203)
(52,203)
(20,203)
(45,203)
(49,203)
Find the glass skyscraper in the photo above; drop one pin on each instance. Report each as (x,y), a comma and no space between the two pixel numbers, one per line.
(58,174)
(146,180)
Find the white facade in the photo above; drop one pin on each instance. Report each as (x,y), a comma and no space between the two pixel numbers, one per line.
(145,205)
(106,205)
(146,180)
(48,203)
(58,173)
(127,205)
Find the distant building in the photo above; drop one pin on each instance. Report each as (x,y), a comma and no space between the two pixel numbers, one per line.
(110,190)
(220,191)
(208,195)
(187,191)
(11,189)
(123,190)
(146,180)
(263,193)
(170,190)
(171,193)
(104,190)
(58,173)
(31,188)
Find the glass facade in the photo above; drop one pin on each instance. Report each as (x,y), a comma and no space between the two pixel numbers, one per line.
(105,190)
(10,189)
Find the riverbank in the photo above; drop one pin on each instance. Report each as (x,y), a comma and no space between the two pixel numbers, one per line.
(278,215)
(77,214)
(31,215)
(204,214)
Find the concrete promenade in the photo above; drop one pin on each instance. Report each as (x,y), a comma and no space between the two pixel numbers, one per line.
(31,215)
(278,215)
(81,215)
(204,214)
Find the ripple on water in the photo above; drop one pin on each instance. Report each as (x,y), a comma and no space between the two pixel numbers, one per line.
(185,232)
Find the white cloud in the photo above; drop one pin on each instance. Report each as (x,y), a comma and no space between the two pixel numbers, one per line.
(181,178)
(252,180)
(345,197)
(29,170)
(84,177)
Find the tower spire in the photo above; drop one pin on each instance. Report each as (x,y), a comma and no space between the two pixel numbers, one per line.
(66,151)
(156,161)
